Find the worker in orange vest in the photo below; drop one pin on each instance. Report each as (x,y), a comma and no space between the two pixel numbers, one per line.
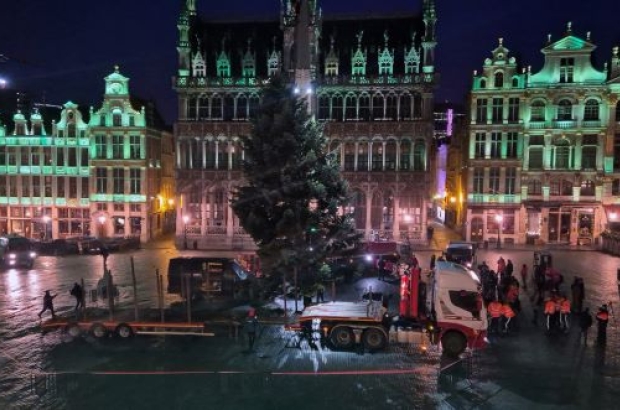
(495,312)
(564,314)
(602,318)
(549,311)
(508,314)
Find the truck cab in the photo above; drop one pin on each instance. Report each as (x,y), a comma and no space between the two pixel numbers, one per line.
(455,303)
(462,252)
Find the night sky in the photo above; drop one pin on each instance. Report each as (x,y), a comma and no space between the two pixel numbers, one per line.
(62,50)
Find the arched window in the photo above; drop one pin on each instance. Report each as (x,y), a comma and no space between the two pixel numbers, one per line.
(253,104)
(405,107)
(236,149)
(537,111)
(417,106)
(71,130)
(567,188)
(565,111)
(405,155)
(362,156)
(323,107)
(618,111)
(377,156)
(499,80)
(337,108)
(216,107)
(242,107)
(357,209)
(419,156)
(591,112)
(364,110)
(203,107)
(349,157)
(391,107)
(116,119)
(377,107)
(350,107)
(515,82)
(390,156)
(229,107)
(483,83)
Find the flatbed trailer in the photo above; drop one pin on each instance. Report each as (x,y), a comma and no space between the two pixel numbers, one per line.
(126,329)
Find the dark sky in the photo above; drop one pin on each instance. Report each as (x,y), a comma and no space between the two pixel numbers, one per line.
(63,49)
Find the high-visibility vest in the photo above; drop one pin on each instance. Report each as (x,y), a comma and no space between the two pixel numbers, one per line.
(602,315)
(507,311)
(565,307)
(549,307)
(495,309)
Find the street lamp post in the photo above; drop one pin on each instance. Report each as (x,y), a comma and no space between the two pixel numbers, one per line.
(499,219)
(185,221)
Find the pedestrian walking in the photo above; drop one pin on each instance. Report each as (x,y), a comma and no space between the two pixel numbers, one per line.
(320,292)
(524,276)
(105,253)
(381,268)
(578,293)
(508,313)
(495,313)
(509,268)
(433,258)
(501,266)
(585,323)
(48,304)
(549,312)
(78,293)
(251,327)
(565,314)
(602,318)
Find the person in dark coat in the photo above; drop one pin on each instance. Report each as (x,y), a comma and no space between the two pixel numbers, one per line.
(78,293)
(433,261)
(251,327)
(578,292)
(585,323)
(48,304)
(602,318)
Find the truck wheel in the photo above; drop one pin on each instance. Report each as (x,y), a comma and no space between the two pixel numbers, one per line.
(342,337)
(73,329)
(453,344)
(98,330)
(374,339)
(124,331)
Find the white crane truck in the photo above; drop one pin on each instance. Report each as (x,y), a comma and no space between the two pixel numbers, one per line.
(445,307)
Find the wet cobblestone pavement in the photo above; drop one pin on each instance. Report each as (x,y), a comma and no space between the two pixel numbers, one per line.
(523,370)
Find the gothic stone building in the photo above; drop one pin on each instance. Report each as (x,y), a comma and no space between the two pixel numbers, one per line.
(544,151)
(370,80)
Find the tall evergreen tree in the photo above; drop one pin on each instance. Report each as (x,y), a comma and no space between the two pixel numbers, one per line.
(294,197)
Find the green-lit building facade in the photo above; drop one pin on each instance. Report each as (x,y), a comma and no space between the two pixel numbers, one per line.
(370,79)
(110,175)
(544,147)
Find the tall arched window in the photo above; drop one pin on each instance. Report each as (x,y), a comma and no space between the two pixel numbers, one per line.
(565,110)
(357,209)
(391,103)
(591,112)
(334,151)
(419,156)
(203,107)
(483,83)
(417,106)
(405,107)
(499,80)
(618,111)
(323,107)
(390,155)
(349,157)
(405,155)
(362,156)
(350,107)
(253,104)
(377,107)
(216,107)
(364,110)
(515,82)
(242,107)
(337,108)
